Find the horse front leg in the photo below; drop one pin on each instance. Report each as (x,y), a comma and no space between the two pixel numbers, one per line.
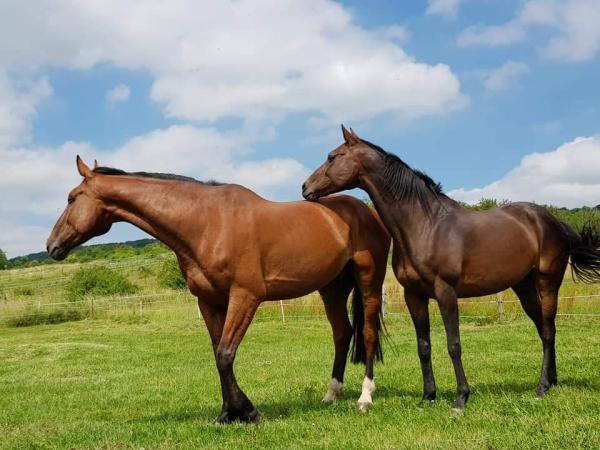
(418,306)
(448,304)
(240,312)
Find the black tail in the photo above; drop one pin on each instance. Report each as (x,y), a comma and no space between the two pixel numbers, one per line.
(358,351)
(585,253)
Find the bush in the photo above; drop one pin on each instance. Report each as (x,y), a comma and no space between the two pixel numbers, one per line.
(98,281)
(24,291)
(30,318)
(170,276)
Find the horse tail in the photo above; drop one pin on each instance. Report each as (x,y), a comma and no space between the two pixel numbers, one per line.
(358,351)
(584,250)
(585,254)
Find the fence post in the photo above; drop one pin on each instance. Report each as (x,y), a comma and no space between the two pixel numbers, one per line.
(383,300)
(282,311)
(500,307)
(92,307)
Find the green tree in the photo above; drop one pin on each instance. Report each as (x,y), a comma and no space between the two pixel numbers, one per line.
(3,260)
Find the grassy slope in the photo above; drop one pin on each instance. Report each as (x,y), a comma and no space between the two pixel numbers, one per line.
(154,385)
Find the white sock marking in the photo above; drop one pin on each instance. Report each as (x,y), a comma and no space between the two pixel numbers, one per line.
(366,397)
(334,390)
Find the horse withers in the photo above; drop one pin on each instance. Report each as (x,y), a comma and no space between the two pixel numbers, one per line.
(444,251)
(236,250)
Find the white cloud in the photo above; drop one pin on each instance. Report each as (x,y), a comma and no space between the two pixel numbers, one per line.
(573,24)
(501,77)
(18,103)
(120,93)
(244,58)
(15,238)
(446,8)
(492,36)
(567,176)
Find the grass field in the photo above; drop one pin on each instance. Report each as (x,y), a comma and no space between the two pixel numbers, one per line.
(102,384)
(138,372)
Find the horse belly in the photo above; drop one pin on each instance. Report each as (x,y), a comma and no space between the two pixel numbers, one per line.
(300,273)
(494,269)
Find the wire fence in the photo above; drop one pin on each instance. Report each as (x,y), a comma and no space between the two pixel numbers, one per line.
(497,309)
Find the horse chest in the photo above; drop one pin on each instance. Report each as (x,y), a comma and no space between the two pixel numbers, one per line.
(201,284)
(407,275)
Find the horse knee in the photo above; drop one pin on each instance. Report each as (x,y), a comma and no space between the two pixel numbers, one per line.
(224,358)
(454,350)
(424,349)
(344,337)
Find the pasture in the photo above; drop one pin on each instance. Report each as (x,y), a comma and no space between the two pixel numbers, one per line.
(137,371)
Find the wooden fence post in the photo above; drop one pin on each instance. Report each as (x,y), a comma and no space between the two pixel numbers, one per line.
(282,311)
(500,307)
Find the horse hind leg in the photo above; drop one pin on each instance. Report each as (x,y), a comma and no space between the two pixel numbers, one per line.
(368,291)
(548,287)
(538,297)
(335,296)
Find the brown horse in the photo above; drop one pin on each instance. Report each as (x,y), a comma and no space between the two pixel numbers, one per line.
(445,252)
(236,250)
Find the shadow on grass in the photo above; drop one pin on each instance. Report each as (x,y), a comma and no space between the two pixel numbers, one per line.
(530,386)
(308,402)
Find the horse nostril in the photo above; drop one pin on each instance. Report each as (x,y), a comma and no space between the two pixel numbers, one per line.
(303,186)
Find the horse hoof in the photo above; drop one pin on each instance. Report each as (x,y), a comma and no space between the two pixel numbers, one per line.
(335,390)
(227,417)
(542,391)
(330,397)
(456,411)
(364,406)
(424,403)
(251,417)
(223,418)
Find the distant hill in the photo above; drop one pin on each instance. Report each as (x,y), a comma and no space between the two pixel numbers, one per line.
(114,250)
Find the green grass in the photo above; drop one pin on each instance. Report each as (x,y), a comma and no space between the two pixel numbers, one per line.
(153,384)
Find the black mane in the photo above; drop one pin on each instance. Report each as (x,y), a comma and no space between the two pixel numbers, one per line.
(161,176)
(405,183)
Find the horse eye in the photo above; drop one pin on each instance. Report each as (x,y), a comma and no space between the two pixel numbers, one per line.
(330,158)
(70,200)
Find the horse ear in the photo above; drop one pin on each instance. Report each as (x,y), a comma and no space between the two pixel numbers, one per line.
(96,165)
(349,137)
(354,134)
(83,169)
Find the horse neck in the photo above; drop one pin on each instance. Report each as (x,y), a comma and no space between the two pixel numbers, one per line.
(406,220)
(158,207)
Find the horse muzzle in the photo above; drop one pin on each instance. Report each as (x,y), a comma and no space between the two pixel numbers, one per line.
(56,251)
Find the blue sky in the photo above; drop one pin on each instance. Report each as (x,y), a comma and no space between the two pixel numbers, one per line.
(491,98)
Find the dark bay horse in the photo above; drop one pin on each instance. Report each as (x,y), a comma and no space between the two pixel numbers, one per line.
(236,250)
(445,252)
